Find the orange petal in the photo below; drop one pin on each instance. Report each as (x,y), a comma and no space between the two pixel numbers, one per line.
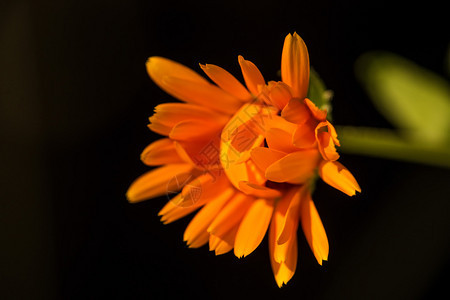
(258,190)
(160,152)
(296,168)
(290,223)
(159,181)
(172,212)
(252,75)
(194,130)
(319,114)
(295,111)
(283,257)
(253,227)
(160,67)
(336,175)
(295,65)
(207,95)
(203,154)
(280,94)
(175,209)
(263,157)
(226,81)
(197,227)
(280,140)
(304,135)
(231,214)
(171,114)
(280,123)
(193,190)
(224,243)
(326,141)
(313,229)
(241,134)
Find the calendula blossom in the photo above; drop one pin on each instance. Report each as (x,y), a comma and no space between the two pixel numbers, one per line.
(246,157)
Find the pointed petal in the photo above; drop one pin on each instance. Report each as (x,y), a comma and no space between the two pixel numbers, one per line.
(226,81)
(171,114)
(313,229)
(296,111)
(159,181)
(283,267)
(172,212)
(178,208)
(295,65)
(336,175)
(252,75)
(224,243)
(207,95)
(292,216)
(231,214)
(296,167)
(255,190)
(160,67)
(199,241)
(253,227)
(198,225)
(278,221)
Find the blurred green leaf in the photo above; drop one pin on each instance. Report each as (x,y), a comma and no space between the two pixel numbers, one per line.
(412,98)
(388,144)
(317,91)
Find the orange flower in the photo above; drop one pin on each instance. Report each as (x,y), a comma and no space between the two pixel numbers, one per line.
(247,157)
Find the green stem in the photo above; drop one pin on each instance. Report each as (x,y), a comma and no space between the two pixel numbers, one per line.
(387,143)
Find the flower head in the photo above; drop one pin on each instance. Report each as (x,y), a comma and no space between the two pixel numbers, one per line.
(246,157)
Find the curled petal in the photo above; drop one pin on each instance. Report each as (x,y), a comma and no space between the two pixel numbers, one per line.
(295,65)
(252,76)
(327,140)
(317,113)
(336,175)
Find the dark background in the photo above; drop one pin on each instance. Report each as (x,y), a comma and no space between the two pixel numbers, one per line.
(74,103)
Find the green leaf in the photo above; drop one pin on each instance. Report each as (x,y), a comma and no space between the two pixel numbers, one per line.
(410,97)
(317,91)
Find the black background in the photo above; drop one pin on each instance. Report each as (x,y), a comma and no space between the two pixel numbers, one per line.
(75,99)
